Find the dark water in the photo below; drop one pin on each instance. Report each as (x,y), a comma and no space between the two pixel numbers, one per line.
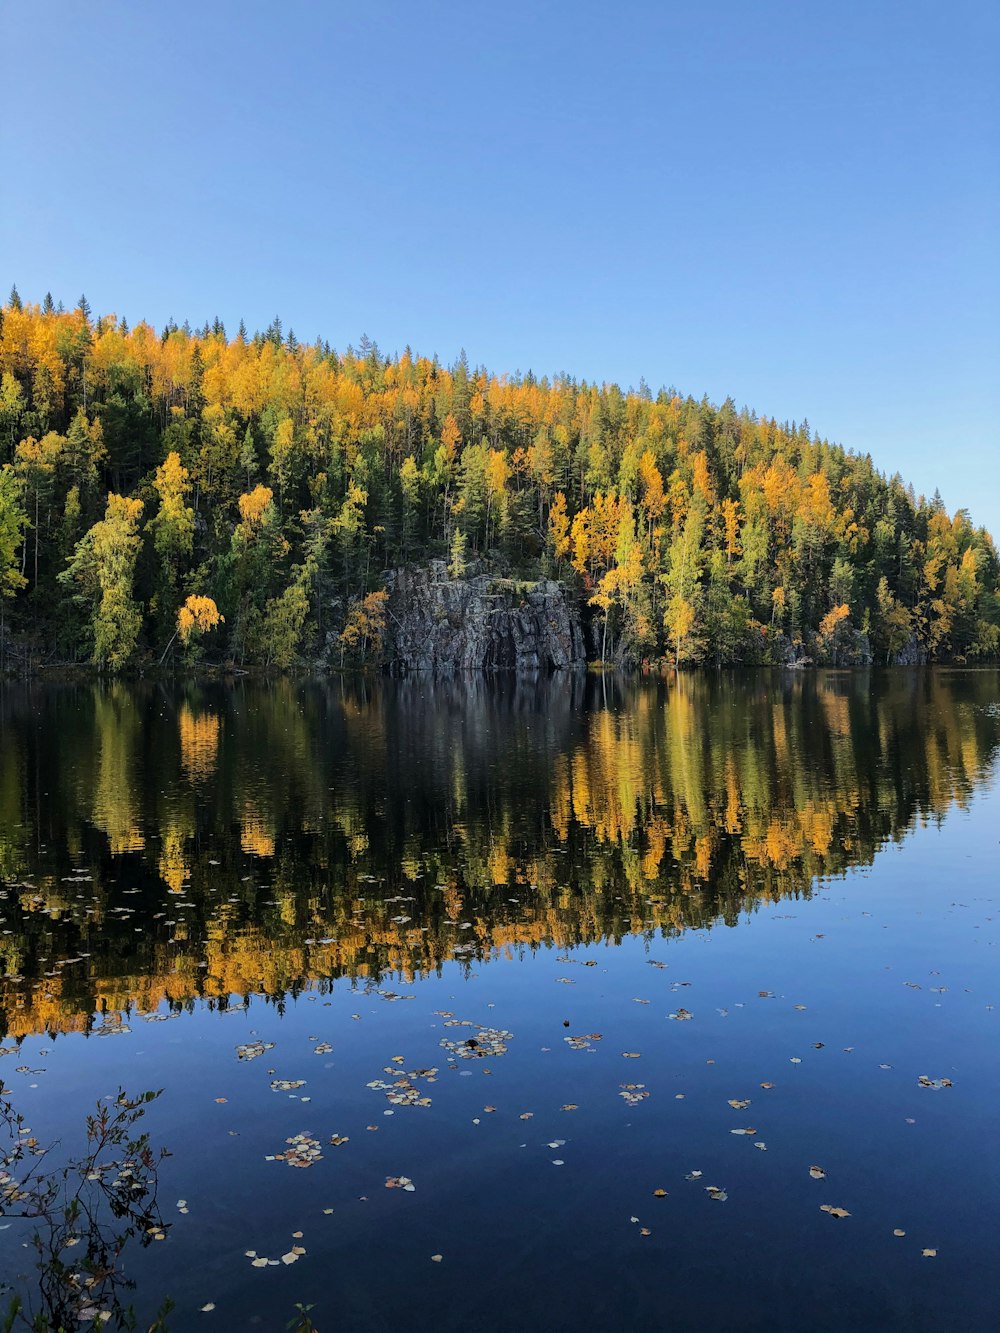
(718,883)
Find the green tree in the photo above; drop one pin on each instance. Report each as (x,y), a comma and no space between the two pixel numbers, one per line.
(103,568)
(13,521)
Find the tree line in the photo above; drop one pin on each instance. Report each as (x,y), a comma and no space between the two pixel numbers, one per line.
(180,493)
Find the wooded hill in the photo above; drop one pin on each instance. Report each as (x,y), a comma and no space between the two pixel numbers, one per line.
(188,494)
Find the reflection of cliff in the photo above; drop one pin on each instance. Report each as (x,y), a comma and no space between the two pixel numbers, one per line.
(224,841)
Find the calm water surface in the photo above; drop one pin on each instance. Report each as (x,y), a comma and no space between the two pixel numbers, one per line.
(641,902)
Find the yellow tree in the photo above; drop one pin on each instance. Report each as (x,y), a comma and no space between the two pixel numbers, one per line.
(731,528)
(679,619)
(365,625)
(173,524)
(654,499)
(559,537)
(197,616)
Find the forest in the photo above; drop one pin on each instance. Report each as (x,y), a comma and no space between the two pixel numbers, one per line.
(183,496)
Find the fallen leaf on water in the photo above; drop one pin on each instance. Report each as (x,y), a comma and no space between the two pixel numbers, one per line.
(633,1093)
(898,1232)
(259,1263)
(210,1306)
(645,1231)
(739,1105)
(817,1173)
(935,1083)
(767,1085)
(929,1254)
(436,1258)
(400,1183)
(570,1106)
(630,1055)
(290,1258)
(834,1212)
(659,1194)
(253,1049)
(717,1194)
(694,1175)
(743,1131)
(794,1060)
(221,1101)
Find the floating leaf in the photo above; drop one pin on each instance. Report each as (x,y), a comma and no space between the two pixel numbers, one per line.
(929,1254)
(253,1049)
(834,1212)
(817,1173)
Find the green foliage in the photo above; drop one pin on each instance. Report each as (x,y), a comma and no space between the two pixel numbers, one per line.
(281,480)
(103,568)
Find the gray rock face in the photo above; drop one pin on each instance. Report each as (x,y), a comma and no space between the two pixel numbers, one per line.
(911,654)
(481,623)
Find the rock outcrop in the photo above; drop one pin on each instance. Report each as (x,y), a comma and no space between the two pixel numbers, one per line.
(479,623)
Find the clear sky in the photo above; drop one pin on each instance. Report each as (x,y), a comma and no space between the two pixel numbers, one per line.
(791,202)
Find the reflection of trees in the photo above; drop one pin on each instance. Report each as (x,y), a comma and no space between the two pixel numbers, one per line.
(98,1202)
(253,838)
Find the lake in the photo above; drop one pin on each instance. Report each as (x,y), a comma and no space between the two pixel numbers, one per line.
(620,986)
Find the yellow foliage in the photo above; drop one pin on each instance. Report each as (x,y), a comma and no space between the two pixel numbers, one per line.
(254,505)
(198,615)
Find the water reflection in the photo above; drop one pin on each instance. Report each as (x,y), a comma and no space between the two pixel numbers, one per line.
(233,839)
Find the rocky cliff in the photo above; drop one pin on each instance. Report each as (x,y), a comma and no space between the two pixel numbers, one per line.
(479,623)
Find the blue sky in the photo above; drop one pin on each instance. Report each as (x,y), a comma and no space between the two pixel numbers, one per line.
(793,203)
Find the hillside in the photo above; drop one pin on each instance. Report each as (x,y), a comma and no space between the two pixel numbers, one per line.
(186,495)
